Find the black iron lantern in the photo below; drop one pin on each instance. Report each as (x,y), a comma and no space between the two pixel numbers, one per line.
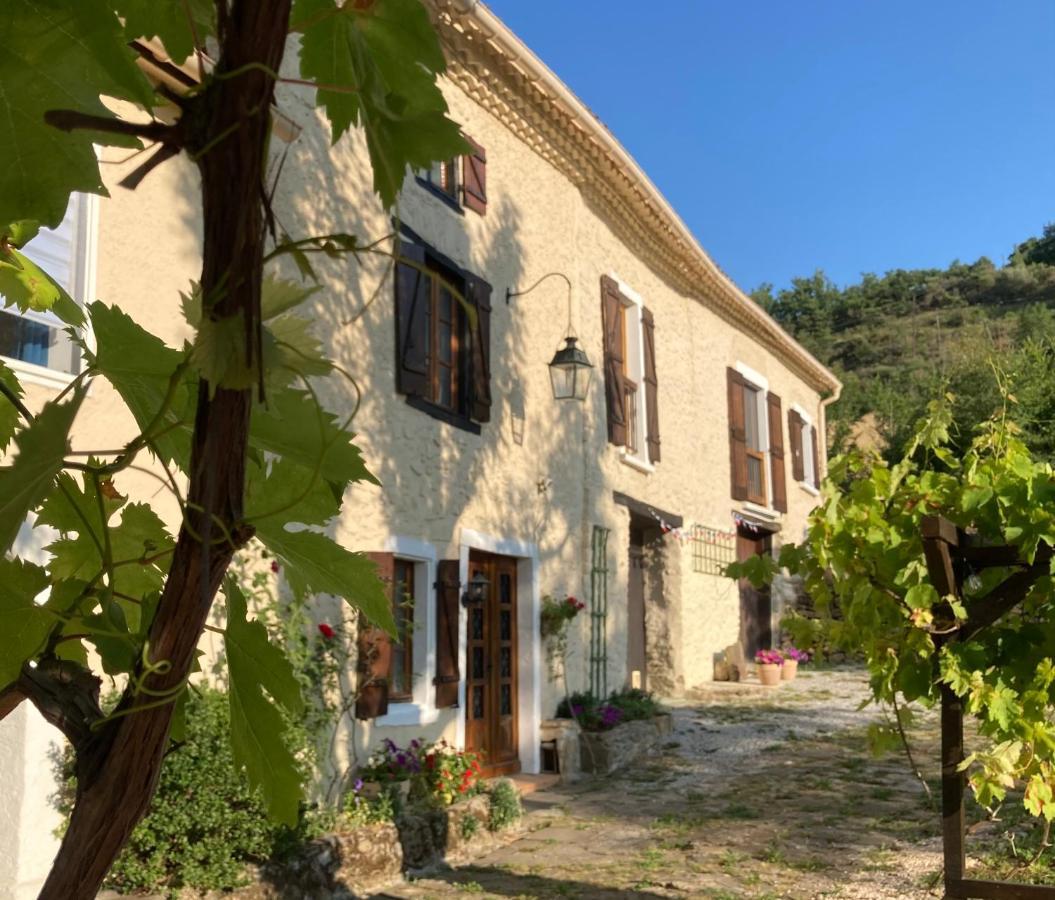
(476,590)
(570,371)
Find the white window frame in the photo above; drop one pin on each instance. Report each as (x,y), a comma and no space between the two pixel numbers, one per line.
(635,368)
(761,384)
(81,287)
(808,453)
(421,709)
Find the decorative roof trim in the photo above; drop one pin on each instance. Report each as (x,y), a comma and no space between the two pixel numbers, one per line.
(497,70)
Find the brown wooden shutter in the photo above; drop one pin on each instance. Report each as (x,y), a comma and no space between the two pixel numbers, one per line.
(798,464)
(648,328)
(737,434)
(816,458)
(448,599)
(374,646)
(776,452)
(413,287)
(474,178)
(479,295)
(614,391)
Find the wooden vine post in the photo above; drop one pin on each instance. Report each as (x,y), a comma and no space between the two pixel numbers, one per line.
(951,556)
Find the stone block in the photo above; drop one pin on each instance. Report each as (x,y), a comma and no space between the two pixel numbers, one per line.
(566,733)
(604,752)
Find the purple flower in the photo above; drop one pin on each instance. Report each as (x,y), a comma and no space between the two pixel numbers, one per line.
(610,716)
(576,710)
(390,745)
(358,786)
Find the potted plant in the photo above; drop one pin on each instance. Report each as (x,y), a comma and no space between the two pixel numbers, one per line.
(769,663)
(792,657)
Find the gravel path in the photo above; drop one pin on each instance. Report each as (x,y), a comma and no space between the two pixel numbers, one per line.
(760,793)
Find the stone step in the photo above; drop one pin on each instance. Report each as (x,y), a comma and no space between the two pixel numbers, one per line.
(529,784)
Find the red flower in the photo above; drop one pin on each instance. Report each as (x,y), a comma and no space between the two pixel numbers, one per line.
(326,631)
(275,566)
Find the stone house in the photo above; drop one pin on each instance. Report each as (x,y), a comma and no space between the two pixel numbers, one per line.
(699,438)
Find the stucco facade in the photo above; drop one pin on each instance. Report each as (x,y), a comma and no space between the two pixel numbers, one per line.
(540,476)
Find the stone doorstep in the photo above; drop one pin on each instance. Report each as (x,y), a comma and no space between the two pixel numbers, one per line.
(529,784)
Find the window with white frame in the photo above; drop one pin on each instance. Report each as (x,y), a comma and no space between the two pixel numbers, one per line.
(631,386)
(38,339)
(756,440)
(805,449)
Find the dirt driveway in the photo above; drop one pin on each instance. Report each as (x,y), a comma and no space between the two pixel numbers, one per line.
(759,793)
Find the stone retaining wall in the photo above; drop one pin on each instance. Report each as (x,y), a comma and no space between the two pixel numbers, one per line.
(603,752)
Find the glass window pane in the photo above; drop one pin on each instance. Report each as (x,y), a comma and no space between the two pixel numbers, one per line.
(506,662)
(751,423)
(505,589)
(478,702)
(505,625)
(478,663)
(476,629)
(505,705)
(754,476)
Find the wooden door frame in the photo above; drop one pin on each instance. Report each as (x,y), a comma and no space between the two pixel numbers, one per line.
(495,565)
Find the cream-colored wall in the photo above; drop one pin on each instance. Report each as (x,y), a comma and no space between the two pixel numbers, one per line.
(540,473)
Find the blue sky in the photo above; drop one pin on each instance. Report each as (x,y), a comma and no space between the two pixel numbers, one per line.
(847,135)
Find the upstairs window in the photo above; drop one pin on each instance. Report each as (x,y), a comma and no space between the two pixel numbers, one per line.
(38,338)
(756,442)
(631,386)
(460,181)
(442,353)
(805,453)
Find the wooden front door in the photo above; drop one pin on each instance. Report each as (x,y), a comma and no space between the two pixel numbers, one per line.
(491,667)
(756,608)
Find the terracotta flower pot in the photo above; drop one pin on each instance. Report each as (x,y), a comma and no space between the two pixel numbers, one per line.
(789,670)
(769,674)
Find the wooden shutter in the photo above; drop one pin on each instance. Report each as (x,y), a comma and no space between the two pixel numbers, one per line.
(798,465)
(374,646)
(479,295)
(776,452)
(737,433)
(648,329)
(413,288)
(816,458)
(474,178)
(448,599)
(614,392)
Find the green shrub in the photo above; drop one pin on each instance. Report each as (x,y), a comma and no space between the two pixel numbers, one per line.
(635,704)
(203,824)
(505,806)
(593,714)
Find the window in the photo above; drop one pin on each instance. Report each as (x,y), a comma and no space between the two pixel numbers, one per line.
(39,338)
(756,441)
(443,178)
(756,451)
(401,672)
(805,453)
(461,180)
(631,388)
(443,354)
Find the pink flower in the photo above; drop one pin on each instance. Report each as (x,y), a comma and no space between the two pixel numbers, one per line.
(326,631)
(275,566)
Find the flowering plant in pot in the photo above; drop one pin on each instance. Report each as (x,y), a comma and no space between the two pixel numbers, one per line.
(554,618)
(792,657)
(769,663)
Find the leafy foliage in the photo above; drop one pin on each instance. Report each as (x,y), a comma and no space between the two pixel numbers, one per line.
(204,823)
(902,339)
(505,806)
(58,55)
(862,562)
(360,51)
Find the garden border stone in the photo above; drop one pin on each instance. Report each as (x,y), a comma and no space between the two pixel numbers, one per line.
(604,752)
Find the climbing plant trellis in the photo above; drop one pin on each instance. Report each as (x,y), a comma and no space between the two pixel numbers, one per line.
(951,555)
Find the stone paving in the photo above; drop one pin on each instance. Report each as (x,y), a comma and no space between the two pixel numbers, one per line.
(759,793)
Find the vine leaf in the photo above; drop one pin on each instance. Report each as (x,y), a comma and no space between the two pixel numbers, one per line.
(316,564)
(140,367)
(167,20)
(9,415)
(26,482)
(383,57)
(26,624)
(279,296)
(255,665)
(58,54)
(290,493)
(25,285)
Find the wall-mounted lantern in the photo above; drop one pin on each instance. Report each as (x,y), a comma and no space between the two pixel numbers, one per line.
(476,590)
(570,370)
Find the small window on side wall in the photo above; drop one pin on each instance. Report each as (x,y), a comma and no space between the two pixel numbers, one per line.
(756,443)
(401,669)
(39,338)
(460,181)
(805,452)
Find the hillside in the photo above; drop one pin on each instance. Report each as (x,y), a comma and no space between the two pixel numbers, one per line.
(901,339)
